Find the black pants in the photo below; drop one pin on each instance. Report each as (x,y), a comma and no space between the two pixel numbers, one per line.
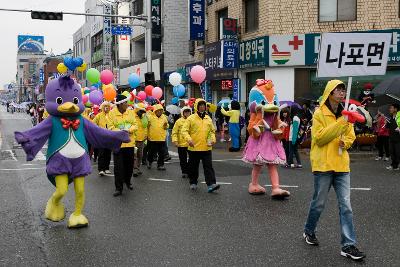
(383,145)
(145,153)
(104,159)
(293,152)
(395,153)
(123,167)
(183,159)
(285,145)
(156,147)
(194,161)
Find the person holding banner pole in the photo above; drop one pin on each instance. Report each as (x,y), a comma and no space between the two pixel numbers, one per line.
(331,131)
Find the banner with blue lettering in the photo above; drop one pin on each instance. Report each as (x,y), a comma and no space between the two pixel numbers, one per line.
(236,89)
(197,19)
(230,54)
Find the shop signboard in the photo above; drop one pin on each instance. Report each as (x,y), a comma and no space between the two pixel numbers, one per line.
(313,41)
(353,54)
(228,29)
(156,25)
(287,50)
(107,36)
(196,19)
(236,90)
(253,53)
(229,54)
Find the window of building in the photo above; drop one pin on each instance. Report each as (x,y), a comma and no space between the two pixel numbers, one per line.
(223,13)
(251,15)
(337,10)
(137,7)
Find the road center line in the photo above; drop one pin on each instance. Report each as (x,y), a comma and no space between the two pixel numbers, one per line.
(283,186)
(23,169)
(361,188)
(160,180)
(219,183)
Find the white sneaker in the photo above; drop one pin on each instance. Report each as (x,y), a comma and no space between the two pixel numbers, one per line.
(101,173)
(107,172)
(386,158)
(390,168)
(378,158)
(222,140)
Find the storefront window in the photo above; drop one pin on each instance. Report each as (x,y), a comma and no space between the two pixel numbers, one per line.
(251,78)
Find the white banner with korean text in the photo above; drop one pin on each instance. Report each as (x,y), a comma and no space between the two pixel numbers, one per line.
(353,54)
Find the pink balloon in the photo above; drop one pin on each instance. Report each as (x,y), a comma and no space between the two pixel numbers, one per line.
(85,98)
(142,95)
(157,92)
(106,76)
(198,74)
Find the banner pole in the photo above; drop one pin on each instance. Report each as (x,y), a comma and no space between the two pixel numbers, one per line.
(346,104)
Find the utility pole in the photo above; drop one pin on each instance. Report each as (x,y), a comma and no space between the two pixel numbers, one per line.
(148,36)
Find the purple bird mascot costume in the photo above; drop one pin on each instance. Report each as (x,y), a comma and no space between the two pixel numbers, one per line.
(67,158)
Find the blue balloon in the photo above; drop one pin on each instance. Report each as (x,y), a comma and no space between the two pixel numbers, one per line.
(179,90)
(174,100)
(69,63)
(134,80)
(77,61)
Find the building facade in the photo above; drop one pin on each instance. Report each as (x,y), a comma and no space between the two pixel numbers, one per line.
(270,30)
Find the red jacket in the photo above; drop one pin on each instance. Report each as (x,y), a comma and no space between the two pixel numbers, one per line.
(381,129)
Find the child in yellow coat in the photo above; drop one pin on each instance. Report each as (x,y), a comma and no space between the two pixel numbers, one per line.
(179,140)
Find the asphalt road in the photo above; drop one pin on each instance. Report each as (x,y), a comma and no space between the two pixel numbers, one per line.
(162,223)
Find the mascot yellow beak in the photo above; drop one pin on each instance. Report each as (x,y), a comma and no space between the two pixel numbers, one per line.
(68,107)
(270,108)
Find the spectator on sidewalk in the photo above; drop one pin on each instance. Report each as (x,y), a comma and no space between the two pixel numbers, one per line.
(294,138)
(383,137)
(394,137)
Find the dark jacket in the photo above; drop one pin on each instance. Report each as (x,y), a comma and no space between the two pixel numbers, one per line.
(394,135)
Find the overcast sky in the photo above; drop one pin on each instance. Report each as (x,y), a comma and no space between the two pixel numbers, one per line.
(57,34)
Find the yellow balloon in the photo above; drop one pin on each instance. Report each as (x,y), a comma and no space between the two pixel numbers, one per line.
(82,67)
(107,86)
(212,108)
(62,68)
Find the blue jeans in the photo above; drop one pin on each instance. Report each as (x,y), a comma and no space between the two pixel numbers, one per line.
(234,131)
(322,184)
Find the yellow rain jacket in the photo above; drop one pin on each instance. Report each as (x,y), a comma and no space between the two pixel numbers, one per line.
(142,124)
(199,131)
(125,121)
(326,133)
(156,128)
(233,114)
(102,119)
(177,136)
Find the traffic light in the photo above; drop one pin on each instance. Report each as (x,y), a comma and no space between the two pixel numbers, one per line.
(46,15)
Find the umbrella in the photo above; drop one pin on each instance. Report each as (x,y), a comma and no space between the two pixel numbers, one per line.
(224,102)
(290,104)
(384,99)
(172,109)
(389,86)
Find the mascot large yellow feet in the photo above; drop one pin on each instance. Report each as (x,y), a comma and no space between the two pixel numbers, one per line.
(77,219)
(55,208)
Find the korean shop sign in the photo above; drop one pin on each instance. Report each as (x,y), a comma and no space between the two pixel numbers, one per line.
(253,53)
(353,54)
(228,29)
(313,41)
(229,54)
(196,19)
(156,24)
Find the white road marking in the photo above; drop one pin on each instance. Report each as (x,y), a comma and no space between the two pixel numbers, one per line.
(172,153)
(1,140)
(29,164)
(160,180)
(23,169)
(219,183)
(283,186)
(223,160)
(12,154)
(110,175)
(40,156)
(360,188)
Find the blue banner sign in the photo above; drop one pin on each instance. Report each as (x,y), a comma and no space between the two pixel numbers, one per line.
(197,19)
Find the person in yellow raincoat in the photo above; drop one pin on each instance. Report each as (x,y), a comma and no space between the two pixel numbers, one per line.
(179,140)
(332,134)
(102,120)
(199,132)
(158,125)
(141,135)
(122,118)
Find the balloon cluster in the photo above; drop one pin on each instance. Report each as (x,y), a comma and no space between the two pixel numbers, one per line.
(198,75)
(71,64)
(149,91)
(94,95)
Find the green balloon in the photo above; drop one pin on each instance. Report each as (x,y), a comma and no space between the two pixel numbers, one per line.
(93,75)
